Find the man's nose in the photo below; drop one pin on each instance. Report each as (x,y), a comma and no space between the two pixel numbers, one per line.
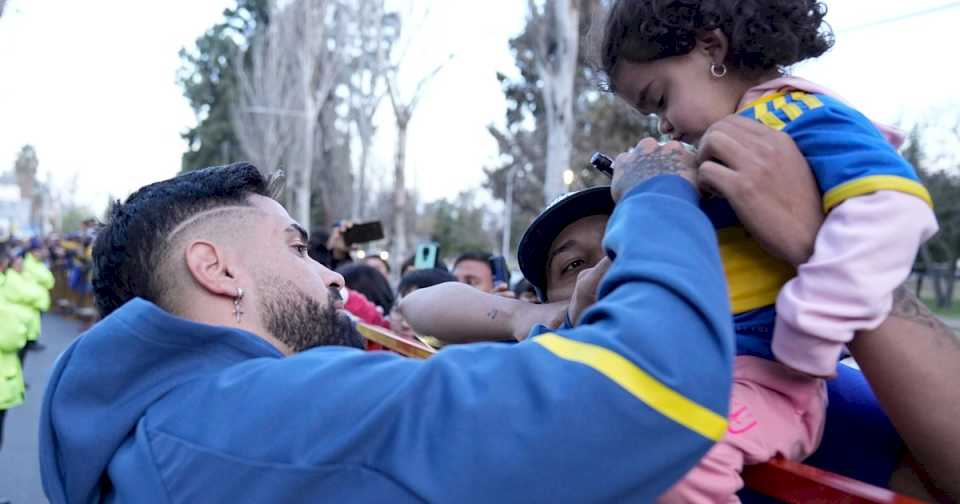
(331,278)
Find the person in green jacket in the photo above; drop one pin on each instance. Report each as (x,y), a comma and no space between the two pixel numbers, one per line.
(25,298)
(35,270)
(13,337)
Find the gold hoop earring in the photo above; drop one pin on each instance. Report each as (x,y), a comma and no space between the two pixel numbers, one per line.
(718,71)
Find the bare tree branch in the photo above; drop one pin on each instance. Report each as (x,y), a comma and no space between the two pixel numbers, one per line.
(265,113)
(423,82)
(284,78)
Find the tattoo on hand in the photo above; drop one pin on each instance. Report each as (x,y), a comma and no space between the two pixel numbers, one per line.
(906,306)
(661,161)
(493,314)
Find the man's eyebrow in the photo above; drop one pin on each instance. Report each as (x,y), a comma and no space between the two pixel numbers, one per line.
(296,228)
(562,248)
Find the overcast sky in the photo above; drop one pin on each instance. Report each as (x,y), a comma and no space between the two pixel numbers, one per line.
(92,84)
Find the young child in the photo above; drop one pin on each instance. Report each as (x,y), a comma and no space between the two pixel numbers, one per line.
(693,63)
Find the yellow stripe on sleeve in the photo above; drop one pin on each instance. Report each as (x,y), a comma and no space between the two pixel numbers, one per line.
(871,184)
(640,384)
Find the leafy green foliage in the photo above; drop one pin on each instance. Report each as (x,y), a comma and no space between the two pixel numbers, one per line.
(457,226)
(939,256)
(208,80)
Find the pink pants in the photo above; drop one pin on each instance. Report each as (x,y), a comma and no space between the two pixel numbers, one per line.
(773,411)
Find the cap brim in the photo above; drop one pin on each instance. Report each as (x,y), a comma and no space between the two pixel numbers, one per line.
(535,243)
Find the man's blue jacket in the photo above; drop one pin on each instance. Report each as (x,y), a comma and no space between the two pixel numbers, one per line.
(148,407)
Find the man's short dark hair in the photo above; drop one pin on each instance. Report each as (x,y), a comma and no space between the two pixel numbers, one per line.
(483,257)
(130,248)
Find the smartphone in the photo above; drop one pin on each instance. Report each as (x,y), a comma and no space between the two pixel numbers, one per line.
(426,257)
(501,273)
(363,233)
(603,163)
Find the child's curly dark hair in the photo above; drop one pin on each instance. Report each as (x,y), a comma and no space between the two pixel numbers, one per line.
(763,34)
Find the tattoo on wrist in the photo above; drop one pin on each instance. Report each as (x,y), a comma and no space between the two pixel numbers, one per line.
(492,314)
(661,161)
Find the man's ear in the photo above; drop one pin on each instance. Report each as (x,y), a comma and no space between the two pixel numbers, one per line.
(714,44)
(208,267)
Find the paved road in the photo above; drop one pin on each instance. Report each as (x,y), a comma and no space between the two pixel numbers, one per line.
(19,467)
(954,323)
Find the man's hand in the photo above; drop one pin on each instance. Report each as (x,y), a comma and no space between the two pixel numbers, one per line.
(768,183)
(585,292)
(649,159)
(336,244)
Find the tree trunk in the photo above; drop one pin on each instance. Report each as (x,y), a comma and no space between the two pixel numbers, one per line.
(508,213)
(936,272)
(302,190)
(559,67)
(359,201)
(951,282)
(399,239)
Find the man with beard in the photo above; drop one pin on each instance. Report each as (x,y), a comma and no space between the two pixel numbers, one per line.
(219,373)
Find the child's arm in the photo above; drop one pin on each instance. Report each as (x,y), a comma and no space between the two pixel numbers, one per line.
(878,216)
(864,250)
(457,313)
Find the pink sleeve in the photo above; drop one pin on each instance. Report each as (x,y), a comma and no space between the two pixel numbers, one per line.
(864,250)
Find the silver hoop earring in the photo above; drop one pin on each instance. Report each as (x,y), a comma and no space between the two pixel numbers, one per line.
(660,127)
(718,70)
(237,312)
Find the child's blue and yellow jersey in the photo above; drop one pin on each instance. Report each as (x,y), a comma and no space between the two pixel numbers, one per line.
(849,158)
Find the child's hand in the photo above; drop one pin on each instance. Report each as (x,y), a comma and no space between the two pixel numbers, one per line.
(336,243)
(649,159)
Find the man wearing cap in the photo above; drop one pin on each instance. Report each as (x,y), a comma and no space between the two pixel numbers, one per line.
(565,239)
